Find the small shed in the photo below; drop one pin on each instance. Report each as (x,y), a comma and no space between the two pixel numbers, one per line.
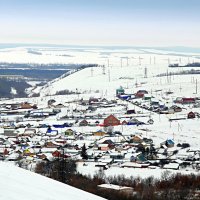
(111,187)
(124,122)
(119,91)
(69,132)
(191,115)
(99,133)
(169,143)
(131,111)
(83,123)
(103,147)
(174,166)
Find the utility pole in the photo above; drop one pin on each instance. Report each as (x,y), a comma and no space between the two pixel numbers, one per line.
(109,75)
(196,86)
(103,70)
(108,63)
(180,88)
(108,70)
(92,71)
(167,77)
(168,61)
(140,60)
(145,72)
(62,167)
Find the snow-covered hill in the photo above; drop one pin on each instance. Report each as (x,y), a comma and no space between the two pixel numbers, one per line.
(121,68)
(18,184)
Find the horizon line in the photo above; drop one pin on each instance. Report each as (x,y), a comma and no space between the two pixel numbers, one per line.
(99,45)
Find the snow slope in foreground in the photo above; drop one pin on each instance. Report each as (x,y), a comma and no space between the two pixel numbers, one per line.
(18,184)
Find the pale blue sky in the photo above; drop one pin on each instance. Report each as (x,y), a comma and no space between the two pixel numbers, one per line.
(101,22)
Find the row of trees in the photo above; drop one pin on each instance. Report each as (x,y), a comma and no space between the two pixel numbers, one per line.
(19,85)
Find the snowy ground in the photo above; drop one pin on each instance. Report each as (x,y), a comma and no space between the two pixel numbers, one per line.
(17,183)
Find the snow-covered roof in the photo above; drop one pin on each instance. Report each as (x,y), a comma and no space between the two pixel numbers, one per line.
(171,166)
(114,187)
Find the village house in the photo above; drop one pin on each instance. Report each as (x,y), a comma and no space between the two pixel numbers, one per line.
(134,165)
(69,132)
(58,154)
(29,152)
(51,132)
(27,105)
(29,132)
(110,143)
(99,133)
(83,123)
(117,156)
(103,147)
(130,111)
(176,108)
(185,100)
(111,120)
(140,93)
(134,121)
(51,144)
(136,139)
(93,100)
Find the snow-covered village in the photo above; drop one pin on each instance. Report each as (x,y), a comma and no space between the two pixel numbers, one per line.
(132,114)
(99,100)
